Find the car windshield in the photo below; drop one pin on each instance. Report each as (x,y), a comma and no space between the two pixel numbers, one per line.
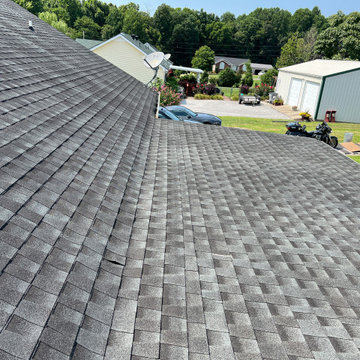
(182,111)
(169,114)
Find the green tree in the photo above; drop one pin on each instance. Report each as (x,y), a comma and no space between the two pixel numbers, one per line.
(204,58)
(262,33)
(293,52)
(138,23)
(227,17)
(34,6)
(164,22)
(220,36)
(269,77)
(66,10)
(342,38)
(227,77)
(248,77)
(52,20)
(88,27)
(107,32)
(115,20)
(96,10)
(204,79)
(185,41)
(204,19)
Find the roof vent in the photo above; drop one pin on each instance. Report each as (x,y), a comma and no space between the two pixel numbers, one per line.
(134,37)
(31,25)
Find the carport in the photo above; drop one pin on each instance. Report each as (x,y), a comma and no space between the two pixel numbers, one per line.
(183,68)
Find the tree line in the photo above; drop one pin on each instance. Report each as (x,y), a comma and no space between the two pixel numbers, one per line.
(266,35)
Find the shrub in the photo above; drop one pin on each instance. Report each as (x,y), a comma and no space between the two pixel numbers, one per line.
(204,77)
(278,101)
(190,77)
(208,89)
(263,90)
(201,96)
(168,96)
(172,83)
(216,97)
(213,80)
(235,98)
(244,89)
(248,78)
(268,77)
(227,77)
(208,97)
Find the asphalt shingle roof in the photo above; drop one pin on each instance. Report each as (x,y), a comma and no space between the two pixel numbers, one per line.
(231,60)
(126,237)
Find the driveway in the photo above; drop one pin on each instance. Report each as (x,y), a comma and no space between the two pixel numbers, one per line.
(233,108)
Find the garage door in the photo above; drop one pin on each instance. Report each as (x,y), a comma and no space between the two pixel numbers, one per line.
(294,92)
(310,97)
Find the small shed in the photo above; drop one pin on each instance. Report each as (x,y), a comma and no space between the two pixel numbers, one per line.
(321,85)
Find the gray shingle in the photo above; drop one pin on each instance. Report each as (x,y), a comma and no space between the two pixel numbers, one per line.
(129,237)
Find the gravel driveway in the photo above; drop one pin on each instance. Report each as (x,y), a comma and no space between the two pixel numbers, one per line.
(233,108)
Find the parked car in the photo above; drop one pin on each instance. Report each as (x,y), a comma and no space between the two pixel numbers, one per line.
(187,114)
(167,114)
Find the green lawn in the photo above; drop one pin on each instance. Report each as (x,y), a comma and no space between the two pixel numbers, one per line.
(278,126)
(227,91)
(355,158)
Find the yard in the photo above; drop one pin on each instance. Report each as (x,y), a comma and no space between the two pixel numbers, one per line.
(229,91)
(278,126)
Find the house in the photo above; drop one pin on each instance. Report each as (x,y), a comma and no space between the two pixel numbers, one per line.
(126,236)
(260,68)
(127,53)
(222,62)
(321,85)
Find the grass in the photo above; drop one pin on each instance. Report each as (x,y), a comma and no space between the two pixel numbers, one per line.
(355,158)
(227,91)
(278,126)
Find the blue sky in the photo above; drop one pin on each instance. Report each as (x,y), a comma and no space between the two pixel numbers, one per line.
(327,7)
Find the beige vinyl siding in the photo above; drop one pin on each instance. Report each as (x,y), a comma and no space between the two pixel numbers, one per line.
(341,93)
(129,59)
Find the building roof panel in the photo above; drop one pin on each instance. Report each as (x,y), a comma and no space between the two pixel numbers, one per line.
(320,68)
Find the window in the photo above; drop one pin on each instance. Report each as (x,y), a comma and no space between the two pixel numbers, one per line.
(182,111)
(222,66)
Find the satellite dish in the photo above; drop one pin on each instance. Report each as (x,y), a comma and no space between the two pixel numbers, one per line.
(153,61)
(167,56)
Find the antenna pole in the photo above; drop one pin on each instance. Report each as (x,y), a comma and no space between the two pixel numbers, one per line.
(156,72)
(148,63)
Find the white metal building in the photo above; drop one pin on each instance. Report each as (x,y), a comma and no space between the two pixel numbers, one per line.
(320,85)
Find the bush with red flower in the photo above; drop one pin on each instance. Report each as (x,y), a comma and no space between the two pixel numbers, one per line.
(167,95)
(206,89)
(263,90)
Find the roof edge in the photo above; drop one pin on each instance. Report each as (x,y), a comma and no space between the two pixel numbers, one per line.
(300,73)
